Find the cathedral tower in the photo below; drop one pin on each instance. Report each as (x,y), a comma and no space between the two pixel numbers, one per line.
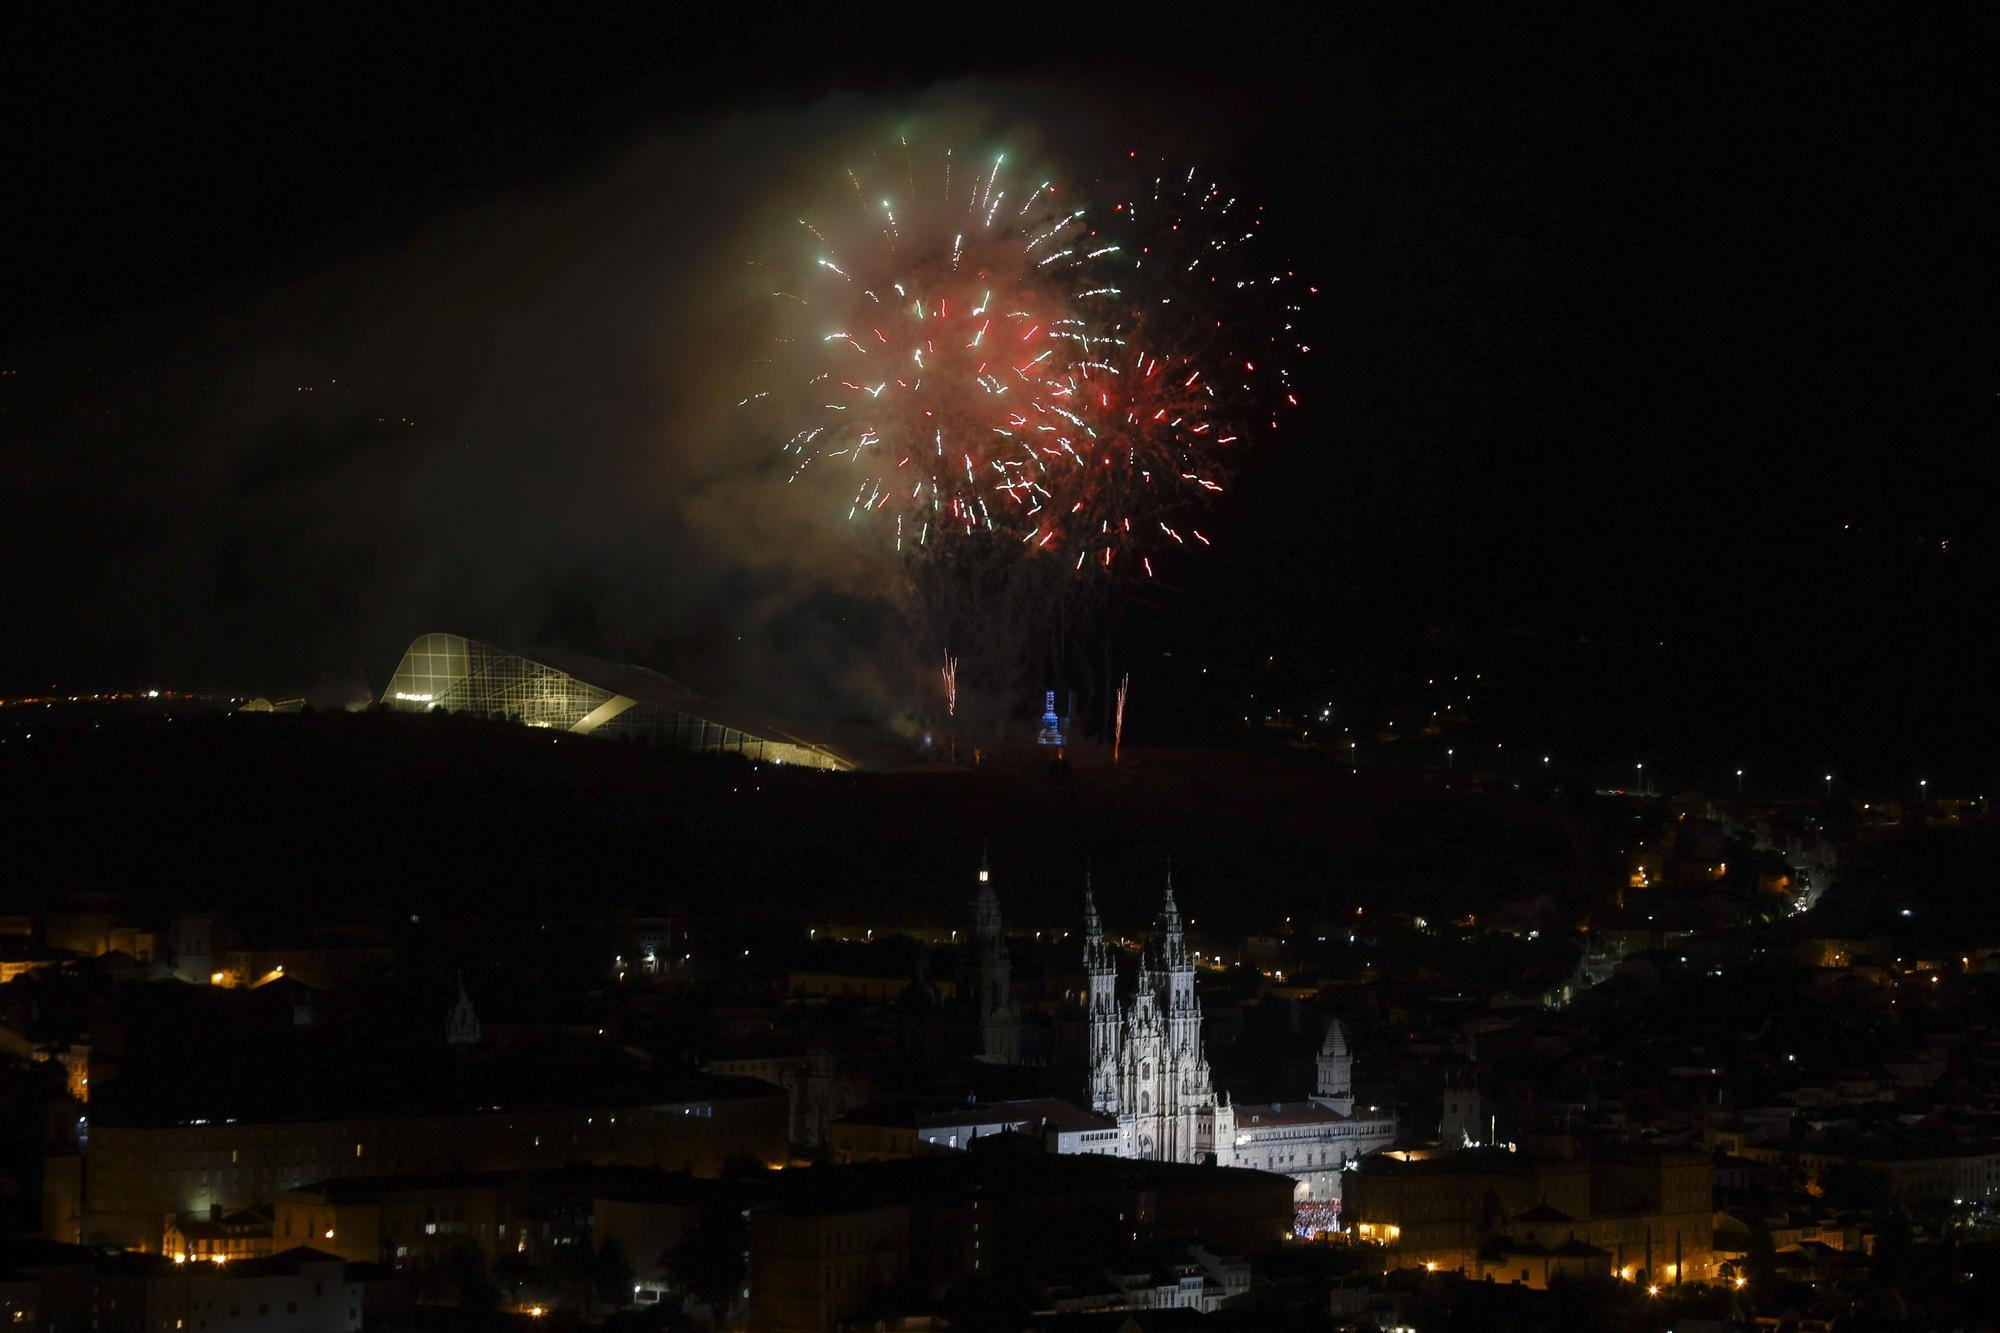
(999,1020)
(1147,1069)
(1336,1071)
(1101,968)
(1177,965)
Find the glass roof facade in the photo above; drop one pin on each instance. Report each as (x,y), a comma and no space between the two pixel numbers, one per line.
(462,675)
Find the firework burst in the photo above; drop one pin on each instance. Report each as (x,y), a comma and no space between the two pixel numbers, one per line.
(976,352)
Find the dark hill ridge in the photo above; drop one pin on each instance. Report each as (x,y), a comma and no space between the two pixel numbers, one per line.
(279,815)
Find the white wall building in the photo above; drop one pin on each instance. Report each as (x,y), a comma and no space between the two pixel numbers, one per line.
(1062,1126)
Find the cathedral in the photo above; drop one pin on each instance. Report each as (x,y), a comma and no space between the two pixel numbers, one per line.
(1148,1073)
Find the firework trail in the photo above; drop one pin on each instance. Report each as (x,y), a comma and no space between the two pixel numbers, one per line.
(998,358)
(951,701)
(1118,723)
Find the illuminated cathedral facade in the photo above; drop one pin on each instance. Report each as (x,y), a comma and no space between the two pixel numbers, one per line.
(1149,1074)
(1147,1069)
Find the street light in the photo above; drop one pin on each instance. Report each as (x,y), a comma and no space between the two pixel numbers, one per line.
(1642,778)
(1449,762)
(1829,786)
(1922,793)
(1739,782)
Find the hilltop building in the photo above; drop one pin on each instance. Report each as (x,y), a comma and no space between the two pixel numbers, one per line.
(569,692)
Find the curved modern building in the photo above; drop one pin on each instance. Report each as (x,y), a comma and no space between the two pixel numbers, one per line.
(546,687)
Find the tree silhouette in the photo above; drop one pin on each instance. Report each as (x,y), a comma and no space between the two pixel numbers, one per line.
(709,1261)
(573,1269)
(1760,1257)
(478,1297)
(611,1274)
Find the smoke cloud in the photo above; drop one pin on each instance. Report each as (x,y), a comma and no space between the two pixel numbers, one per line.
(520,424)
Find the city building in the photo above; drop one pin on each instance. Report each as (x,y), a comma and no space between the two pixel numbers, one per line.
(886,1132)
(299,1290)
(1315,1140)
(819,1082)
(569,692)
(1179,1277)
(57,1287)
(1915,1173)
(414,1223)
(218,1236)
(204,950)
(1527,1217)
(812,1267)
(135,1174)
(832,1242)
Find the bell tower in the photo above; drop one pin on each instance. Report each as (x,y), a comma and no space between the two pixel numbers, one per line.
(1177,966)
(999,1020)
(1336,1072)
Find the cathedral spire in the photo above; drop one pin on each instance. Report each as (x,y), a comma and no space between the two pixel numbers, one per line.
(1170,913)
(1093,925)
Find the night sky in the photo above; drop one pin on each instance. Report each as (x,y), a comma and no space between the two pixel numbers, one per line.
(1660,378)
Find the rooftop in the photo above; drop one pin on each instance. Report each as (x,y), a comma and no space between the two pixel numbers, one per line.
(1020,1177)
(1288,1113)
(1041,1112)
(298,1075)
(285,1263)
(627,1183)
